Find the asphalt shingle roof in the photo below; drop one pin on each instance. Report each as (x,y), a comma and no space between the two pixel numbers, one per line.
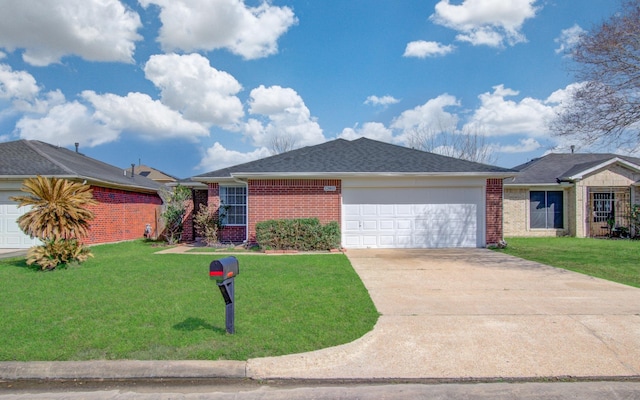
(32,157)
(358,156)
(552,167)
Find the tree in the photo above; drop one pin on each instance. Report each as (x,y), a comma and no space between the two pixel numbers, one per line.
(605,106)
(466,144)
(282,143)
(58,217)
(174,212)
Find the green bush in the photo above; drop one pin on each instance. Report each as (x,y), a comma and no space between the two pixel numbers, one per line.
(303,234)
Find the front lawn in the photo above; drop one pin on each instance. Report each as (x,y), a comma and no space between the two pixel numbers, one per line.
(614,260)
(128,303)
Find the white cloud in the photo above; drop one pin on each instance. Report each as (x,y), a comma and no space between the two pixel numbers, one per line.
(218,157)
(251,32)
(569,38)
(40,104)
(66,124)
(486,22)
(371,130)
(423,49)
(430,115)
(381,101)
(499,116)
(200,92)
(17,84)
(141,115)
(20,88)
(524,146)
(96,30)
(286,116)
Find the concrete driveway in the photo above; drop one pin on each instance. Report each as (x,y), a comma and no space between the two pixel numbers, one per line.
(474,313)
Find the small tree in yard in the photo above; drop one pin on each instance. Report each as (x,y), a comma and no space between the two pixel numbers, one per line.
(175,210)
(58,217)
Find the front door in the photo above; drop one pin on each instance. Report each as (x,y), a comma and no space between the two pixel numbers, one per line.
(608,209)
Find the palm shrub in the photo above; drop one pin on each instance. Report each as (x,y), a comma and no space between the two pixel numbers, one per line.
(58,217)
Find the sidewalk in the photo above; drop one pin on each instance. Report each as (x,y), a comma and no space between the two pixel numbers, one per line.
(10,253)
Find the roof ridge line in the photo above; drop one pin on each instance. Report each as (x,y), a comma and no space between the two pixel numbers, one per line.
(48,157)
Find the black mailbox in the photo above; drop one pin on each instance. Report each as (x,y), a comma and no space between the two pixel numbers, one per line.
(224,268)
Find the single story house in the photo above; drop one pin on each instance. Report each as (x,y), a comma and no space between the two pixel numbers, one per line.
(126,203)
(582,195)
(382,195)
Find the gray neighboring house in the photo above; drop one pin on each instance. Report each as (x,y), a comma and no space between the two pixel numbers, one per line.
(382,195)
(582,195)
(126,204)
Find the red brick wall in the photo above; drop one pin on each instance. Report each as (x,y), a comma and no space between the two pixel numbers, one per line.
(494,211)
(122,215)
(293,198)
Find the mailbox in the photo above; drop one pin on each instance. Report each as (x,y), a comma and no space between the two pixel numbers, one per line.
(224,271)
(224,268)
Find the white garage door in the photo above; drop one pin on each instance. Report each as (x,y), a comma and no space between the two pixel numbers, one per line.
(11,237)
(413,217)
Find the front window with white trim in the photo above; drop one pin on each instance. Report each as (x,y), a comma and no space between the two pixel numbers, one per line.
(233,205)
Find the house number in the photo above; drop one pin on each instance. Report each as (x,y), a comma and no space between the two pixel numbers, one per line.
(329,188)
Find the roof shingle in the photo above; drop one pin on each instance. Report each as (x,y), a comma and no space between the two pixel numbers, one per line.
(358,156)
(555,166)
(23,158)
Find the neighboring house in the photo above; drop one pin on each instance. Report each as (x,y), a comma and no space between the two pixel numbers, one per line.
(151,173)
(126,204)
(382,195)
(571,194)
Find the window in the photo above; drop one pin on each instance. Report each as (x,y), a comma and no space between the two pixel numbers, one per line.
(546,209)
(233,205)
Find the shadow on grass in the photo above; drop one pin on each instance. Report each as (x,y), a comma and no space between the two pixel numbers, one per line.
(194,324)
(21,262)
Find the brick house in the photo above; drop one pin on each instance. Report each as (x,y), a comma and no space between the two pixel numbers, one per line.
(126,203)
(382,195)
(581,195)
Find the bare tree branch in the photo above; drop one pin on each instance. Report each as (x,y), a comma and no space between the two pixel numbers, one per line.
(606,107)
(466,144)
(282,143)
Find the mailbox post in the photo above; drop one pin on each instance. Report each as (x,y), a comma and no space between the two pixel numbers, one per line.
(224,271)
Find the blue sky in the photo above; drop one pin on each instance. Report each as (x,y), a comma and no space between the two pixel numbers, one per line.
(192,86)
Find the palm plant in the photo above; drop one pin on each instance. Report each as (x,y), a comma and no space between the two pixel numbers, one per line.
(58,217)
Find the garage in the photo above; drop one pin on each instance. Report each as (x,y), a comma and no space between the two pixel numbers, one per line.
(413,217)
(11,237)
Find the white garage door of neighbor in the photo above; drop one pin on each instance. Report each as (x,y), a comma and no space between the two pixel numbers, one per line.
(11,237)
(413,217)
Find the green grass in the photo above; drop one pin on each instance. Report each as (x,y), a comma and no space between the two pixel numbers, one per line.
(614,260)
(128,303)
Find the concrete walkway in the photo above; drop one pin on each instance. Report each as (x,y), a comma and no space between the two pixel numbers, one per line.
(474,313)
(445,314)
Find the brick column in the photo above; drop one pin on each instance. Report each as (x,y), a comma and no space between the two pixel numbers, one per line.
(494,232)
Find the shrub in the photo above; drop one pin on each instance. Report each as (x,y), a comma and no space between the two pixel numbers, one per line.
(57,252)
(298,234)
(207,225)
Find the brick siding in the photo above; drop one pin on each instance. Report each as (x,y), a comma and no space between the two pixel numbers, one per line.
(293,198)
(122,215)
(494,211)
